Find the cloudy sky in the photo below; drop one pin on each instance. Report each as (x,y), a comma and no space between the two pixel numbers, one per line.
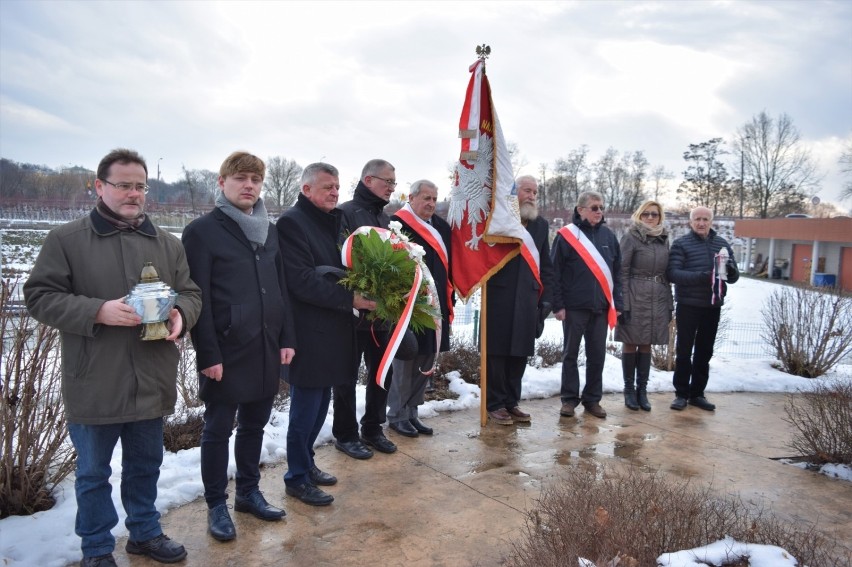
(345,82)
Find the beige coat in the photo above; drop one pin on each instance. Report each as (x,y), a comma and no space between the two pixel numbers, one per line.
(647,293)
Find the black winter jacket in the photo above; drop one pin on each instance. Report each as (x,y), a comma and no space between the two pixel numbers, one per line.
(575,285)
(691,267)
(310,239)
(366,209)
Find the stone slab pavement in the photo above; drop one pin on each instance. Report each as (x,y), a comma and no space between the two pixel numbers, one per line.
(460,497)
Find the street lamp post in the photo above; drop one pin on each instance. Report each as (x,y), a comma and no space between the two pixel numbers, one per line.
(158,168)
(742,173)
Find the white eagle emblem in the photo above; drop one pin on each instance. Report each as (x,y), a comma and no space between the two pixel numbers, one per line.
(472,190)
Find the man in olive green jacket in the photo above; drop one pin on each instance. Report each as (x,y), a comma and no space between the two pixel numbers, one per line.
(114,385)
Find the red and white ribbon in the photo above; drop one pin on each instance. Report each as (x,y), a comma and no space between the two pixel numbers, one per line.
(401,326)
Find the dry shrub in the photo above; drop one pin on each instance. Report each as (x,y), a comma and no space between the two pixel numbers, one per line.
(182,430)
(822,419)
(548,353)
(36,454)
(463,357)
(810,330)
(628,517)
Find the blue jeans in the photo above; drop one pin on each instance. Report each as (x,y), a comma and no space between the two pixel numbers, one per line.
(308,408)
(141,457)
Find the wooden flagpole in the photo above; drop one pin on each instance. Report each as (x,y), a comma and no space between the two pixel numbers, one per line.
(483,356)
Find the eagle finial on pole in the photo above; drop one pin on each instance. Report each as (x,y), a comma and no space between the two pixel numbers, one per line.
(483,51)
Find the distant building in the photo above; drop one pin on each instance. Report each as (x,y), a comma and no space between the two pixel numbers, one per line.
(809,250)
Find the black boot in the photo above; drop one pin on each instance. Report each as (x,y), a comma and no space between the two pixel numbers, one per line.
(643,370)
(628,367)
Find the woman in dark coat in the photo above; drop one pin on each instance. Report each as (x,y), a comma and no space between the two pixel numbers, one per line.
(243,336)
(647,300)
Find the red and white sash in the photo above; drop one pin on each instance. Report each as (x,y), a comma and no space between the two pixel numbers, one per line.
(433,238)
(594,261)
(402,324)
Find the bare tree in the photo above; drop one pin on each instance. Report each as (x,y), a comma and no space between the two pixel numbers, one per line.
(845,163)
(282,181)
(518,161)
(782,172)
(705,178)
(660,176)
(201,185)
(572,178)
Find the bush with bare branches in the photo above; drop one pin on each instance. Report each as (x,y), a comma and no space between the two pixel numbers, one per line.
(463,356)
(822,418)
(810,330)
(548,353)
(36,454)
(627,517)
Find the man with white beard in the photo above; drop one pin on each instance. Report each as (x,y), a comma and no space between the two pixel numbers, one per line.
(518,300)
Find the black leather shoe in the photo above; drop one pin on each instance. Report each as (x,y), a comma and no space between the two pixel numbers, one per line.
(679,404)
(257,505)
(99,561)
(701,402)
(320,478)
(354,449)
(219,523)
(159,548)
(310,494)
(404,428)
(421,427)
(380,443)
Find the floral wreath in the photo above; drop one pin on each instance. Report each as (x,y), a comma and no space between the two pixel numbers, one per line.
(386,267)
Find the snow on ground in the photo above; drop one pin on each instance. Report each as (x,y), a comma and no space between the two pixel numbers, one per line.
(47,538)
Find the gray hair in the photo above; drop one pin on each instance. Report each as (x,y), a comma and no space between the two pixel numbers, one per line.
(708,209)
(309,174)
(525,178)
(587,196)
(374,166)
(414,190)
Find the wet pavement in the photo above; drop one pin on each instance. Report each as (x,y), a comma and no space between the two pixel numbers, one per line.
(459,497)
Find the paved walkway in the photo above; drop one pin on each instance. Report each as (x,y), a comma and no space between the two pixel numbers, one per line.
(459,497)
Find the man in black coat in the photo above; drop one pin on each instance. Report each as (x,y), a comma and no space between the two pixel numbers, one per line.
(699,293)
(311,233)
(243,336)
(587,261)
(424,227)
(378,180)
(517,303)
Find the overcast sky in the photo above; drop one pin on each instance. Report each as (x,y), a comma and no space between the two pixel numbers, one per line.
(345,82)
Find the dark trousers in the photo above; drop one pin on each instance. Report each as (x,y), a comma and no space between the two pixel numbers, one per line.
(503,381)
(589,326)
(308,410)
(696,335)
(251,417)
(345,428)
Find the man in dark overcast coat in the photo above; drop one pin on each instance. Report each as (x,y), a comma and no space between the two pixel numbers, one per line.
(311,233)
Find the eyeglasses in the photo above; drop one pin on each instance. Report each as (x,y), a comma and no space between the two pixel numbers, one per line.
(128,187)
(595,208)
(390,182)
(650,215)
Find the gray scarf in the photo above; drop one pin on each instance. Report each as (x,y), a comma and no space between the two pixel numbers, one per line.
(255,226)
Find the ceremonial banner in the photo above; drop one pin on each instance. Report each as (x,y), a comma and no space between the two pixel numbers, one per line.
(484,213)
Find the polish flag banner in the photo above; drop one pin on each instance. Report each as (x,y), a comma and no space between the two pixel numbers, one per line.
(484,213)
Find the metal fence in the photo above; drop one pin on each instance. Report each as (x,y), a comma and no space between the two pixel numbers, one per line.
(742,340)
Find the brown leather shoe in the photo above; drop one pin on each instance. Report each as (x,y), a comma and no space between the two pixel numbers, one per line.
(501,417)
(567,410)
(595,409)
(518,414)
